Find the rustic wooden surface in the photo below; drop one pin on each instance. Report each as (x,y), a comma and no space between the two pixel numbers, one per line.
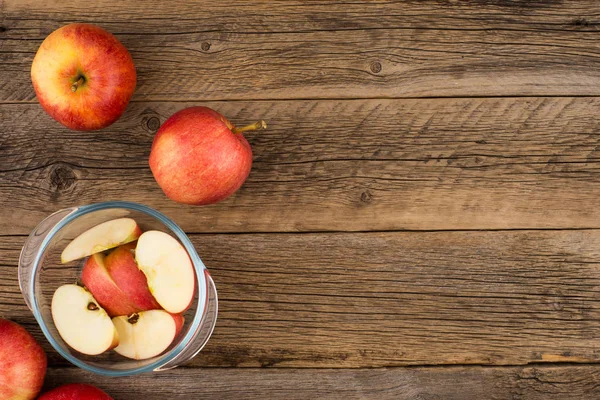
(422,220)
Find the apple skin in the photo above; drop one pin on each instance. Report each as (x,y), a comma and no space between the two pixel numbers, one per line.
(179,321)
(75,391)
(96,278)
(125,273)
(109,77)
(23,363)
(197,159)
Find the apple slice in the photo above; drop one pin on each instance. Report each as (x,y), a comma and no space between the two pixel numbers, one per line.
(101,237)
(146,334)
(96,278)
(81,322)
(124,271)
(168,269)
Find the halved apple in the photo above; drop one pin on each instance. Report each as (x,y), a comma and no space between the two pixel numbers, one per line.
(146,334)
(124,271)
(168,270)
(101,237)
(81,322)
(97,279)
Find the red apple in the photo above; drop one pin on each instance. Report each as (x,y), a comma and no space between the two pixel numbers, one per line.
(83,76)
(199,157)
(124,271)
(22,363)
(75,391)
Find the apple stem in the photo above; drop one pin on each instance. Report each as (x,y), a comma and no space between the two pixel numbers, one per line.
(252,127)
(76,84)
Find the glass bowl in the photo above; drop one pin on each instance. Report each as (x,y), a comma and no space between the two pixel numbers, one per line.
(41,273)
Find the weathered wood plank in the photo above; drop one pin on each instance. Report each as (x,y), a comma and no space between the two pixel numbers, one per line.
(265,50)
(460,383)
(331,165)
(389,299)
(294,16)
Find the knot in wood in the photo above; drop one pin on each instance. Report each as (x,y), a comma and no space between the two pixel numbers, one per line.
(152,124)
(375,67)
(205,46)
(366,196)
(580,22)
(62,178)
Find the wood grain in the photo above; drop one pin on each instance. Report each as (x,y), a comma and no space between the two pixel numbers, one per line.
(289,50)
(460,383)
(351,300)
(444,164)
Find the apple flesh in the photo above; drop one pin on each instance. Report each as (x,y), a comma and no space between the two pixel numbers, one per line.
(83,76)
(146,334)
(198,157)
(23,363)
(168,270)
(125,273)
(96,278)
(75,391)
(101,237)
(81,322)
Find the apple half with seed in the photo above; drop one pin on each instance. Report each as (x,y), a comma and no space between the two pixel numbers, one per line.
(81,322)
(101,237)
(168,270)
(146,334)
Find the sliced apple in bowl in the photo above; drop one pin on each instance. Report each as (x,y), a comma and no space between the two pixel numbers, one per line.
(168,270)
(146,334)
(101,237)
(117,283)
(81,322)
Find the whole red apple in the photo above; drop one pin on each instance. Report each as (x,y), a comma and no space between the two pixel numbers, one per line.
(75,391)
(199,157)
(83,76)
(22,363)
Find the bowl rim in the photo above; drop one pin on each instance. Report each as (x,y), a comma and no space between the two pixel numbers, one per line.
(201,283)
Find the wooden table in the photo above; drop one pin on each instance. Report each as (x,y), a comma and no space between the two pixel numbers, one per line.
(421,220)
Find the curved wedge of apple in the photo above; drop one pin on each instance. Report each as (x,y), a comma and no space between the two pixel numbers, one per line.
(81,322)
(97,279)
(146,334)
(168,270)
(124,272)
(101,237)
